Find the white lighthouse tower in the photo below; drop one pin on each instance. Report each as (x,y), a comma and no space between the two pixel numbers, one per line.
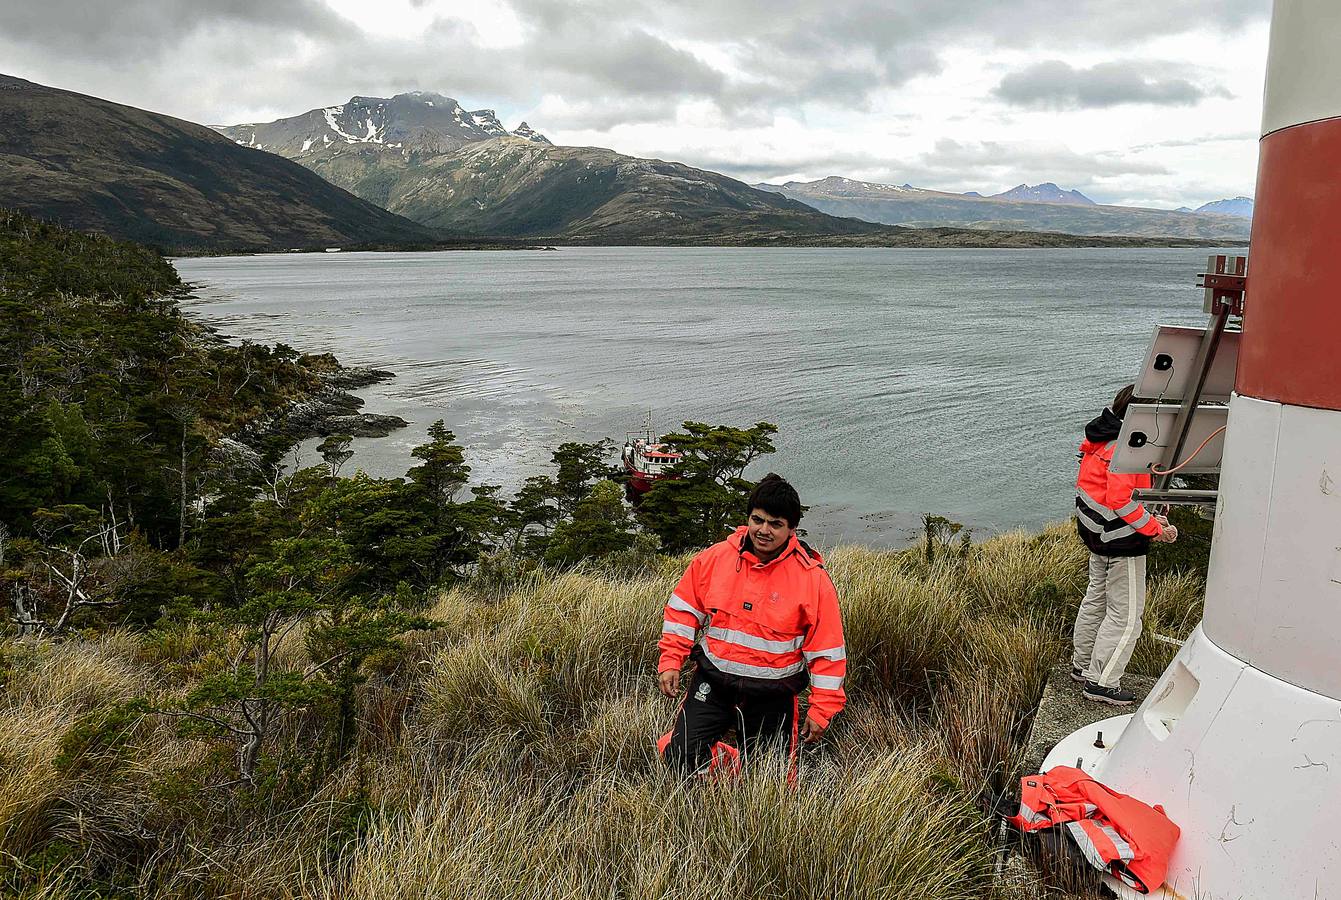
(1240,740)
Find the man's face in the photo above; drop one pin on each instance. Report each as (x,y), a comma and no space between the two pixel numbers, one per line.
(768,532)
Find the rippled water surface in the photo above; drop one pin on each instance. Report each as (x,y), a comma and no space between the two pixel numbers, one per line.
(902,381)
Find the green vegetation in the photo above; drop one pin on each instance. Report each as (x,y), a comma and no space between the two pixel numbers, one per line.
(233,680)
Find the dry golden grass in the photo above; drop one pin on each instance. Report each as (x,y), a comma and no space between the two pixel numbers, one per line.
(511,754)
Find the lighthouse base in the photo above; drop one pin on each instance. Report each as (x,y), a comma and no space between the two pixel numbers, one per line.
(1248,766)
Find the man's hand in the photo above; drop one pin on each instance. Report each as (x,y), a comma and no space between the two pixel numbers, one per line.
(669,682)
(1168,535)
(812,730)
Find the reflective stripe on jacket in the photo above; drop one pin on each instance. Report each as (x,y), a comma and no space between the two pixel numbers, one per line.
(1110,522)
(761,624)
(1116,833)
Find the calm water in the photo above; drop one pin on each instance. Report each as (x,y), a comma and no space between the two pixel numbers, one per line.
(902,381)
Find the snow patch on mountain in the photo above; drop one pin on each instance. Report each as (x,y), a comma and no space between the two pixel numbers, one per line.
(330,113)
(486,121)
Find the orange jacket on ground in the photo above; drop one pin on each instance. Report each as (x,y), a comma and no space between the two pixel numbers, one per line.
(1110,522)
(1116,833)
(761,625)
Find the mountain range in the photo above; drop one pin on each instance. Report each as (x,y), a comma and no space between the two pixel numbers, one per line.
(424,156)
(101,166)
(414,170)
(1034,208)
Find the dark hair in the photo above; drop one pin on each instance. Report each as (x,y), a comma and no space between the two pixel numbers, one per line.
(1121,401)
(777,498)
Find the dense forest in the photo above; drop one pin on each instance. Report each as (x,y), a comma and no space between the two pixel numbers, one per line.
(227,677)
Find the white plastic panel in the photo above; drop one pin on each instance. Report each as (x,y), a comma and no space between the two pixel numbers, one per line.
(1272,595)
(1149,429)
(1299,604)
(1239,542)
(1168,371)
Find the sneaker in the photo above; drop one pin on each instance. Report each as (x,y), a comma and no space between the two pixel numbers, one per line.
(1114,696)
(1077,675)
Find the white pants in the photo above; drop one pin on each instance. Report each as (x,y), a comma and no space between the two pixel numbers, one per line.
(1109,622)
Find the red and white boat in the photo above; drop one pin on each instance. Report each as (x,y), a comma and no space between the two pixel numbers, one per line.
(647,462)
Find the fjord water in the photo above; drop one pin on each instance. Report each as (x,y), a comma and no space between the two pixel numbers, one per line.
(955,382)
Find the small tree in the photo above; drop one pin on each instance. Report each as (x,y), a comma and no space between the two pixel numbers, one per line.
(600,526)
(248,698)
(532,514)
(335,451)
(708,492)
(580,467)
(342,641)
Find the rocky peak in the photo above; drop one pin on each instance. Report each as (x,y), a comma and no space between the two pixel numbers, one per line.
(526,132)
(1047,192)
(422,122)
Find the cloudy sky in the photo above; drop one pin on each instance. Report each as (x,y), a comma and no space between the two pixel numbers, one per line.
(1146,102)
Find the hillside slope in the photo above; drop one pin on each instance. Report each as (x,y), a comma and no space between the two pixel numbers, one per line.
(91,164)
(513,187)
(921,208)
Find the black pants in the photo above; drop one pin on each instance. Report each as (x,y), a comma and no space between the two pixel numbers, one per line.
(763,721)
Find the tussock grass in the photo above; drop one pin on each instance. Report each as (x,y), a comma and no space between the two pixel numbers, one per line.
(510,753)
(845,831)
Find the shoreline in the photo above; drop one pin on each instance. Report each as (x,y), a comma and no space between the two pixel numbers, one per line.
(1048,241)
(330,408)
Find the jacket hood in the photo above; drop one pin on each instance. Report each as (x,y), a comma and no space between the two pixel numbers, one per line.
(1100,430)
(806,555)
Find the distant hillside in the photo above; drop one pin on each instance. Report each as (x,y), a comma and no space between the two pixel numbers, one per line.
(1238,206)
(1047,192)
(101,166)
(916,207)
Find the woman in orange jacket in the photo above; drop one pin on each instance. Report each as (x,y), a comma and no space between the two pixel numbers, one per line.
(1118,530)
(759,616)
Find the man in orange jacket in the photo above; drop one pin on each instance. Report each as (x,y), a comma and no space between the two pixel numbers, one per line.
(759,616)
(1118,531)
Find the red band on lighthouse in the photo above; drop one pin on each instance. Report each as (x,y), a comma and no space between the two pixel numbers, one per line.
(1291,350)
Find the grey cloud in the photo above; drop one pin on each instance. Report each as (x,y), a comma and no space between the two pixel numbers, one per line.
(786,54)
(950,166)
(991,159)
(635,62)
(604,113)
(1053,84)
(796,52)
(1229,137)
(135,29)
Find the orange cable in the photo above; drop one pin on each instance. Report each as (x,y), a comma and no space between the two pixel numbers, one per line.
(1158,471)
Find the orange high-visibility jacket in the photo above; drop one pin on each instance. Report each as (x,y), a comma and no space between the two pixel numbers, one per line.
(762,624)
(1110,522)
(1116,833)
